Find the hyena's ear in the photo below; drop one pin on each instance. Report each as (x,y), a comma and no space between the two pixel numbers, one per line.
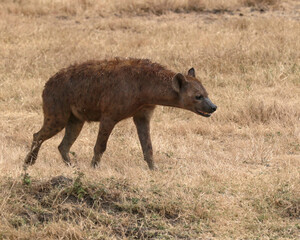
(191,72)
(178,82)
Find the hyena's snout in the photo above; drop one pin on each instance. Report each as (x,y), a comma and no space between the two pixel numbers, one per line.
(210,107)
(206,107)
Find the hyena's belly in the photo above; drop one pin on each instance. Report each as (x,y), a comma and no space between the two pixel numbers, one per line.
(86,114)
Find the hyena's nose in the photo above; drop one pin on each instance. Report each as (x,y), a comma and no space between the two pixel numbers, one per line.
(214,108)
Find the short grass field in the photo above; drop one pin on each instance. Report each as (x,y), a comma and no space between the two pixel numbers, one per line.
(235,175)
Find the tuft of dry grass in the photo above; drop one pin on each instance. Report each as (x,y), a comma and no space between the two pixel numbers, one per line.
(232,176)
(261,3)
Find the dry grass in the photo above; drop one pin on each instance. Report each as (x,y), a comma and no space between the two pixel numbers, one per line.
(131,7)
(233,176)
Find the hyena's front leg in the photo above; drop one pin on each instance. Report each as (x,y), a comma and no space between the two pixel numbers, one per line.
(106,127)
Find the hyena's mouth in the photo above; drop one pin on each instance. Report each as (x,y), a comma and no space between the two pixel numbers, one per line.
(204,114)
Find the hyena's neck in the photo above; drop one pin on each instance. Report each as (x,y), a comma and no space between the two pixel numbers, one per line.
(160,91)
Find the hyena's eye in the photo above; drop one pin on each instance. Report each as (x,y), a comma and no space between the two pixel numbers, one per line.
(199,97)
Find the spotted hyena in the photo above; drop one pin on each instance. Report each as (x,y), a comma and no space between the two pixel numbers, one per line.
(109,91)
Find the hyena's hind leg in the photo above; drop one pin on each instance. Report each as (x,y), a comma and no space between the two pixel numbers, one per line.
(72,131)
(48,130)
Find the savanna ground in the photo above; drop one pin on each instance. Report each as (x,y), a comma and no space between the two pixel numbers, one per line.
(235,175)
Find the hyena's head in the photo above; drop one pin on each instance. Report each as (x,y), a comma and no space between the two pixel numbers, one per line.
(192,94)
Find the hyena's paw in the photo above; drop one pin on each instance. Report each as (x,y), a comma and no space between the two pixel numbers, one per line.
(30,159)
